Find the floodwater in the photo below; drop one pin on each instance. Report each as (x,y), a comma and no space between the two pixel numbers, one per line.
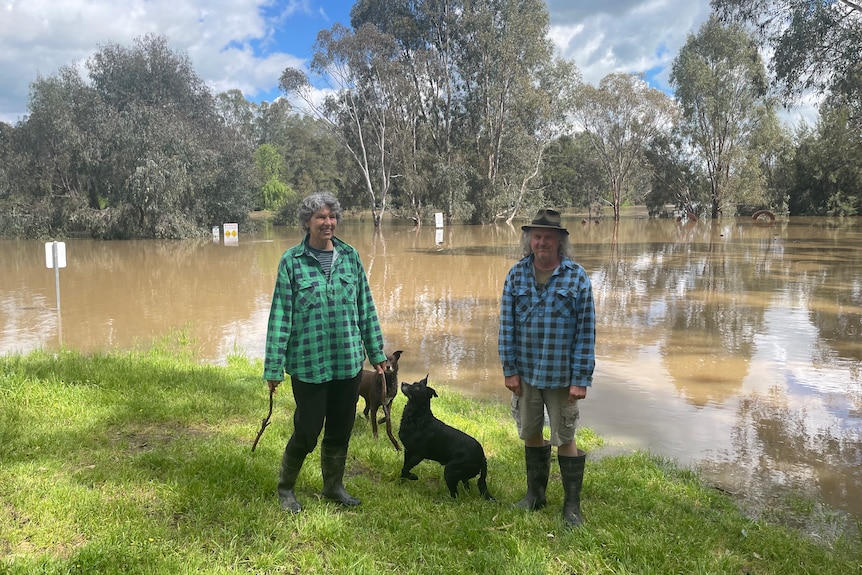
(734,347)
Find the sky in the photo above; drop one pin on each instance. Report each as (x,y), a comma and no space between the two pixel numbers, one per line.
(246,44)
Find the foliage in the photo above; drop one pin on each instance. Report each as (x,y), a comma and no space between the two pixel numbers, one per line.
(621,118)
(815,44)
(134,150)
(448,105)
(827,170)
(151,472)
(270,164)
(721,85)
(677,179)
(444,106)
(574,175)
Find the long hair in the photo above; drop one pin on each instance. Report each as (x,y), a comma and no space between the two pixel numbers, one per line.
(316,202)
(565,245)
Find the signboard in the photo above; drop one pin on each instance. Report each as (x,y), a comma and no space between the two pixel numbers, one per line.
(438,219)
(231,234)
(216,234)
(49,255)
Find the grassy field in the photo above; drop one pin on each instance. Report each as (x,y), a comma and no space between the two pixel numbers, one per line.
(140,463)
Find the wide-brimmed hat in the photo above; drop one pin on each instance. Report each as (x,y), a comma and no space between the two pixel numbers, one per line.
(546,219)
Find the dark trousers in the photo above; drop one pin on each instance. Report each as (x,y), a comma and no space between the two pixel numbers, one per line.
(330,407)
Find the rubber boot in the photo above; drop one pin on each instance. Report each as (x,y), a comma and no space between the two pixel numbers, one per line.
(538,460)
(290,467)
(572,472)
(332,461)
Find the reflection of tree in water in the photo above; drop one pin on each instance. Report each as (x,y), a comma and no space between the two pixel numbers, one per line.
(690,297)
(777,450)
(626,268)
(836,311)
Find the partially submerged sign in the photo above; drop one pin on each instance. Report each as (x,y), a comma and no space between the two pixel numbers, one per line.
(231,234)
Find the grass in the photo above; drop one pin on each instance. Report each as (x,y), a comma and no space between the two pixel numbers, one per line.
(141,463)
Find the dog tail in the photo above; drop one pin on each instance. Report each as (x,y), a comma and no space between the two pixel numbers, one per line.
(483,486)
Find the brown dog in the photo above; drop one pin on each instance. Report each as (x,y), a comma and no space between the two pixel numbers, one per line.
(379,391)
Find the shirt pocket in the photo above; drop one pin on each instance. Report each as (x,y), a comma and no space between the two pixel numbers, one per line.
(523,303)
(347,291)
(562,303)
(308,296)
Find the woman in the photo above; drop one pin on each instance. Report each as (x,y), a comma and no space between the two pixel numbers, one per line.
(322,323)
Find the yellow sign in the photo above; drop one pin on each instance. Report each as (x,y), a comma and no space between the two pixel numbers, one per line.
(231,234)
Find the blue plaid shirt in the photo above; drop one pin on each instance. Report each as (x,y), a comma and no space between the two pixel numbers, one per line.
(548,336)
(320,328)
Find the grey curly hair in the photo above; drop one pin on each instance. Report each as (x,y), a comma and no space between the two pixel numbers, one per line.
(315,202)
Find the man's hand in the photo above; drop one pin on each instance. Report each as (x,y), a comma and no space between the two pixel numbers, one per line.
(513,383)
(577,392)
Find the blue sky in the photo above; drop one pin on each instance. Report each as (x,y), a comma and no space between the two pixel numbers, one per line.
(246,44)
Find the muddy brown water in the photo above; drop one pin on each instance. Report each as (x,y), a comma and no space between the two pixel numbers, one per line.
(734,347)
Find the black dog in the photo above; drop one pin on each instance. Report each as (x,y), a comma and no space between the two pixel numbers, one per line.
(426,437)
(378,395)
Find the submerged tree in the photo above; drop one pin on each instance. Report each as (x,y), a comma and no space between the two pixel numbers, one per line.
(136,151)
(721,85)
(448,103)
(621,118)
(362,70)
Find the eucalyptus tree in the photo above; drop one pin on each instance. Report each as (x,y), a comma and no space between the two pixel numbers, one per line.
(720,82)
(175,168)
(361,72)
(676,177)
(542,115)
(434,169)
(621,117)
(134,150)
(486,97)
(826,167)
(514,99)
(61,147)
(814,44)
(239,114)
(573,174)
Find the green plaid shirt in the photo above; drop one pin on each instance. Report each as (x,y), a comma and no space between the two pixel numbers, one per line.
(320,330)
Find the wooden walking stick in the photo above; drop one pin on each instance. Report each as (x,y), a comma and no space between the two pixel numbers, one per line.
(264,422)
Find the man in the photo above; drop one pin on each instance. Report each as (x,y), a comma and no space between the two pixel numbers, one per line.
(547,348)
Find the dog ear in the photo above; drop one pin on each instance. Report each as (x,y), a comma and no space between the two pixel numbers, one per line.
(397,354)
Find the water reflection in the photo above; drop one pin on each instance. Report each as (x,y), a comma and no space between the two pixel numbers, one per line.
(732,346)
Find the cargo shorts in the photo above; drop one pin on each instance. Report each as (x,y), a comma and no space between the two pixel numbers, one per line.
(535,408)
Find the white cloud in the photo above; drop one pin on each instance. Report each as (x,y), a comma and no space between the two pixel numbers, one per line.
(231,43)
(624,36)
(246,44)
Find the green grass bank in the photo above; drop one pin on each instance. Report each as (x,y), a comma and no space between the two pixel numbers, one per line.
(141,463)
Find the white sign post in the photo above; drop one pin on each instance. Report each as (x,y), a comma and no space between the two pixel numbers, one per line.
(55,257)
(438,223)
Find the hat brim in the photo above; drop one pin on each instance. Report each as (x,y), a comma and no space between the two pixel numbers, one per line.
(527,228)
